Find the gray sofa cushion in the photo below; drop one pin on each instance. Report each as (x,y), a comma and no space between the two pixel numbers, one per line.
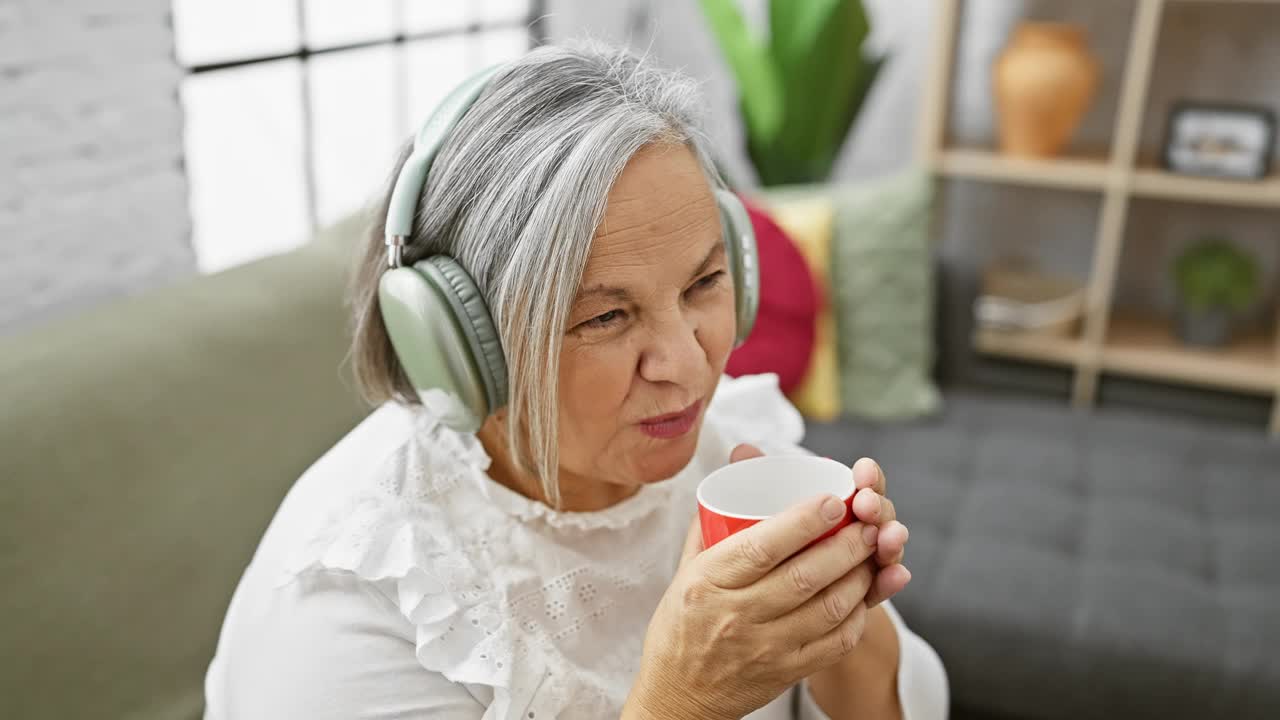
(1105,565)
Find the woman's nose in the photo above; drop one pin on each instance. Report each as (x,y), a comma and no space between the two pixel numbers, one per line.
(674,353)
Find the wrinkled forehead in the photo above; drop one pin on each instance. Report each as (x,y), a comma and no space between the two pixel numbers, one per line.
(661,212)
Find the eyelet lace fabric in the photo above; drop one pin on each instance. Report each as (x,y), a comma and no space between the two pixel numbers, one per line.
(547,608)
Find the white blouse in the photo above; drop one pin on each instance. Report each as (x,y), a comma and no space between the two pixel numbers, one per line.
(398,580)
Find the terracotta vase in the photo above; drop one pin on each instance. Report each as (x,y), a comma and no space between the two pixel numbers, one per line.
(1044,81)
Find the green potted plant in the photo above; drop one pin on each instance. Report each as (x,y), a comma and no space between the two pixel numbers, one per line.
(800,89)
(1216,283)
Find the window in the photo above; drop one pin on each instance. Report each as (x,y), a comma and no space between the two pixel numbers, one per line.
(295,109)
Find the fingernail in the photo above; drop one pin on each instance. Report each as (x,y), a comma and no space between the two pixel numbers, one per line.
(855,467)
(832,509)
(908,574)
(870,533)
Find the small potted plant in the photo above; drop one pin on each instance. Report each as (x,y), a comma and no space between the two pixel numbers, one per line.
(1216,283)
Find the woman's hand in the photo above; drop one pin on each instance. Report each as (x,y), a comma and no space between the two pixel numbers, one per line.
(748,618)
(864,683)
(871,506)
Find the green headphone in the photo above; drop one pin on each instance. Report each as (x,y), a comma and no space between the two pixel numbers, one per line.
(439,324)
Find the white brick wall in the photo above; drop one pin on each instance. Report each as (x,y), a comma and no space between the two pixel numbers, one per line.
(93,198)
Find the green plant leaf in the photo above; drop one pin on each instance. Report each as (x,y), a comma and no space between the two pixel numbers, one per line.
(759,87)
(817,48)
(800,95)
(865,76)
(794,27)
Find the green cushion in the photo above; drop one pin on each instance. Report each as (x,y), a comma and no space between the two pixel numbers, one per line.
(882,277)
(144,446)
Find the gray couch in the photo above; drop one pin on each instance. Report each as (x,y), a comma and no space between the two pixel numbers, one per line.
(143,448)
(1087,566)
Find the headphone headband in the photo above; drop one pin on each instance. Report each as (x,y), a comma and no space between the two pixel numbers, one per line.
(426,144)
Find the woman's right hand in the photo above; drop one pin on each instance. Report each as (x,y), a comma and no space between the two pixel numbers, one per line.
(748,618)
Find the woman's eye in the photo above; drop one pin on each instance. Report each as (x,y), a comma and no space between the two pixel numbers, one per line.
(604,320)
(707,281)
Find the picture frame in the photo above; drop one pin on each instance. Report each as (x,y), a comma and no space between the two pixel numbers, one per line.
(1233,141)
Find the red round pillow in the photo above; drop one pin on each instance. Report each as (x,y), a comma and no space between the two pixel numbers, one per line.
(786,325)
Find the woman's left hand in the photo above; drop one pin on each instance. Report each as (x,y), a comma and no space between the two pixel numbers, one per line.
(864,683)
(872,506)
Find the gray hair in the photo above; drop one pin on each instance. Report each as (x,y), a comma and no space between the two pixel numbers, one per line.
(515,195)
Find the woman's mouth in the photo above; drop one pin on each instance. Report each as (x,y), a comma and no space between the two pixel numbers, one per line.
(671,425)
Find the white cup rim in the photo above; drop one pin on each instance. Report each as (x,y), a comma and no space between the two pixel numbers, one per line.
(777,460)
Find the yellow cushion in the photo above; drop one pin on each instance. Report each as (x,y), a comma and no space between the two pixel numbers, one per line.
(808,220)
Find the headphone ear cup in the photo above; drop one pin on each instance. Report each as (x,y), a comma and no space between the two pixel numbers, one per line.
(445,340)
(744,262)
(477,323)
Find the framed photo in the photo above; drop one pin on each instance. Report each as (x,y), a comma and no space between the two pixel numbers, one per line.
(1229,141)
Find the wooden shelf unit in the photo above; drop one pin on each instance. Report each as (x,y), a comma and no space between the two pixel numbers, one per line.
(1109,342)
(1096,174)
(1070,173)
(1029,346)
(1157,183)
(1146,348)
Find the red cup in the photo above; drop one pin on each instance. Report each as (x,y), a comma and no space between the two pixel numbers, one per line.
(741,494)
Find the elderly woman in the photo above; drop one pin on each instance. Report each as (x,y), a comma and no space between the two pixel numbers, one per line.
(509,535)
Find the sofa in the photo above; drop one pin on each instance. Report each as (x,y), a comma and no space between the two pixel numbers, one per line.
(1065,566)
(144,446)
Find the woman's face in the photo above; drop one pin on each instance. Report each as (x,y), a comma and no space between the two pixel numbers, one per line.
(651,328)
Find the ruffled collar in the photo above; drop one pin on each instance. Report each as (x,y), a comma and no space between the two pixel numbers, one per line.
(648,499)
(467,448)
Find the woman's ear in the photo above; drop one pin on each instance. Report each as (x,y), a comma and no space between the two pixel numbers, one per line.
(494,428)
